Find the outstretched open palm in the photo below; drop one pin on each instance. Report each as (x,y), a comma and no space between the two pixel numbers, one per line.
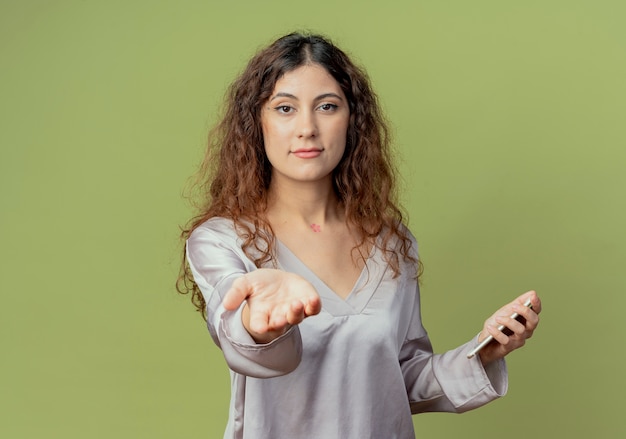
(275,300)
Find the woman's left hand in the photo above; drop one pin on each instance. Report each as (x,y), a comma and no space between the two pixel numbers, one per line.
(504,344)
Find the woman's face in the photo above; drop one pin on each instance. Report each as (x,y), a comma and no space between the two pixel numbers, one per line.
(305,125)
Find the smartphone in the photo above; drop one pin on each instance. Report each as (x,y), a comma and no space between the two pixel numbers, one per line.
(502,329)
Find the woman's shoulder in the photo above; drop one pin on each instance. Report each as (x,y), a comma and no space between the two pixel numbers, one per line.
(404,235)
(220,237)
(405,245)
(405,229)
(215,228)
(217,223)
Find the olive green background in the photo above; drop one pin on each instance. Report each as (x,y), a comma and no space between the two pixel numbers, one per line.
(509,118)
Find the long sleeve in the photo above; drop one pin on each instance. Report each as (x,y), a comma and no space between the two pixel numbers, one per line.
(449,382)
(216,260)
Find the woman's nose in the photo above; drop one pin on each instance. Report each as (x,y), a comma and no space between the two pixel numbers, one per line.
(307,126)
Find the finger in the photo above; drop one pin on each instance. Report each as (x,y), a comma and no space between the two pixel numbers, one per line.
(515,326)
(238,292)
(279,316)
(530,316)
(259,322)
(534,300)
(278,322)
(497,335)
(313,306)
(537,306)
(296,313)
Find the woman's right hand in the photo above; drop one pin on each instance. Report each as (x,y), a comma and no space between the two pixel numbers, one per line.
(276,300)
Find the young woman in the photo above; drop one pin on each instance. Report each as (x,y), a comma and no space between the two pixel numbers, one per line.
(303,267)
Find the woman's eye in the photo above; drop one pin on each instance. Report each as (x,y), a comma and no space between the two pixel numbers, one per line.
(284,109)
(328,107)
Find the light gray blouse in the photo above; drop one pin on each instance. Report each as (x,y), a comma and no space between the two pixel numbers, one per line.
(357,370)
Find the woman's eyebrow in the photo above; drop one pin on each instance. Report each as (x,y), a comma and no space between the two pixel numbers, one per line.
(328,95)
(318,98)
(283,95)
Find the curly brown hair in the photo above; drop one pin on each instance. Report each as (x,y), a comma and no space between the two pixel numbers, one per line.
(234,177)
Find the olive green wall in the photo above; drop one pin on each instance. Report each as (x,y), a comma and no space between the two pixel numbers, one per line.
(510,120)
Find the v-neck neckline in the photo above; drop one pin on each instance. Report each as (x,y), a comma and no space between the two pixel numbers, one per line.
(361,292)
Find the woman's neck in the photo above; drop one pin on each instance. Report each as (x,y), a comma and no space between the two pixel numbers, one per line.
(309,203)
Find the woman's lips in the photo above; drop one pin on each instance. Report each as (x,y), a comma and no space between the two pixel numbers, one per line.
(307,153)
